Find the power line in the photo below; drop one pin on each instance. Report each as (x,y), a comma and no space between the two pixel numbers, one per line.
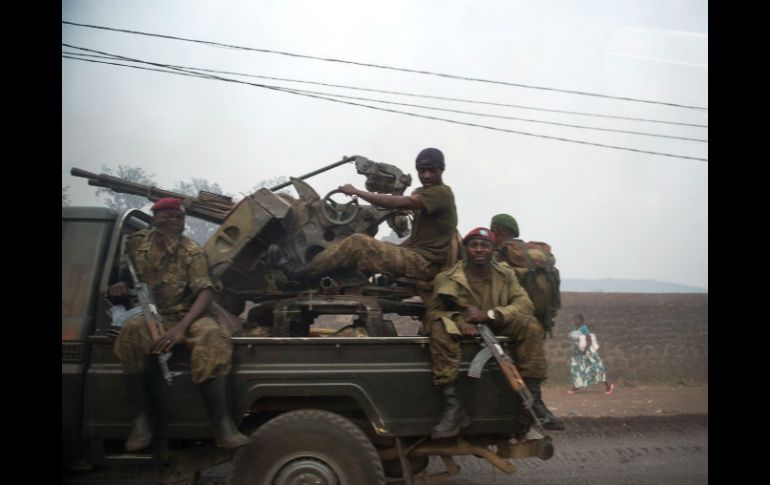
(443,98)
(380,66)
(276,88)
(472,113)
(417,115)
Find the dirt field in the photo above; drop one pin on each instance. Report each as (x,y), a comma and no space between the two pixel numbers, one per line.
(626,401)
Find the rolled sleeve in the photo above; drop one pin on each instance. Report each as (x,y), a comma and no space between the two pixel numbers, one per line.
(199,273)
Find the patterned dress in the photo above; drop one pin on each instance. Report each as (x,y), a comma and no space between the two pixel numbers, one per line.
(586,369)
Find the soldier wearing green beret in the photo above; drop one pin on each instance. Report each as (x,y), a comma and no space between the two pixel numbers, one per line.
(520,257)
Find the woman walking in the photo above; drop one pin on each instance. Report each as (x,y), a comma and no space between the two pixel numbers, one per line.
(586,366)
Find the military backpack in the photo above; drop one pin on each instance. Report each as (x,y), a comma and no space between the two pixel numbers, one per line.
(535,267)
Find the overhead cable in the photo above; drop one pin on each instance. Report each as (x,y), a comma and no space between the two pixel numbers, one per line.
(380,66)
(286,90)
(443,98)
(472,113)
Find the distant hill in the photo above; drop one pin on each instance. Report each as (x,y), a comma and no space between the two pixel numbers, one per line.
(613,285)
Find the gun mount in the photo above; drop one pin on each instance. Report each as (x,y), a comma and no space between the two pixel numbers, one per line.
(301,226)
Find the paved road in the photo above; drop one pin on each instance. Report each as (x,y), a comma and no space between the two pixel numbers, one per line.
(671,450)
(624,451)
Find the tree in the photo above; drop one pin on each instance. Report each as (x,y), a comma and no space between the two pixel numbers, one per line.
(197,229)
(65,197)
(121,202)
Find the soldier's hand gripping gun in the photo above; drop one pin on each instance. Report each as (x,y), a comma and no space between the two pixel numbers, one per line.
(493,348)
(151,316)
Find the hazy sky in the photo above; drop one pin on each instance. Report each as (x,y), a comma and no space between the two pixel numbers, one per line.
(605,212)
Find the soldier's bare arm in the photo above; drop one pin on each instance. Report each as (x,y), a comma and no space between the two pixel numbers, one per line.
(409,202)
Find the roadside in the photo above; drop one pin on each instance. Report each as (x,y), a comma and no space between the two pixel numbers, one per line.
(626,401)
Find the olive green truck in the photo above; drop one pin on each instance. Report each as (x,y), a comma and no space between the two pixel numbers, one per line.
(321,410)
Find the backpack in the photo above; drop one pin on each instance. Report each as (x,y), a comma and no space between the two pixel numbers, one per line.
(535,267)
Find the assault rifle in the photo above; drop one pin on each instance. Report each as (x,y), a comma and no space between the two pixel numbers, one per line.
(151,316)
(493,348)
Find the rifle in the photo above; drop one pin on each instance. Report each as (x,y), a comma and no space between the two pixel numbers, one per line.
(506,365)
(151,316)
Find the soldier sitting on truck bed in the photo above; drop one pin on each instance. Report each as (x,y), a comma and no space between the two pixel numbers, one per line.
(421,256)
(175,270)
(478,290)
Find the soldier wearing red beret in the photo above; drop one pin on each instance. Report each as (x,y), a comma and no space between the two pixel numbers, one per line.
(478,290)
(174,268)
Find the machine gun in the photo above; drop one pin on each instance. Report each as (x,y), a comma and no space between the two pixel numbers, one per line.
(301,226)
(493,349)
(208,206)
(380,177)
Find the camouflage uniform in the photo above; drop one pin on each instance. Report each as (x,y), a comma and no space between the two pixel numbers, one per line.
(421,256)
(174,276)
(372,256)
(452,291)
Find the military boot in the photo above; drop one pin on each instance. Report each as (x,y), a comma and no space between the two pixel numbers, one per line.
(214,393)
(277,258)
(453,417)
(141,407)
(547,418)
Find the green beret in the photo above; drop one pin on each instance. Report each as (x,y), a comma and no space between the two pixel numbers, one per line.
(507,221)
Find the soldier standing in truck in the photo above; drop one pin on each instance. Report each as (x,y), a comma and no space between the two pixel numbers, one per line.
(427,250)
(175,270)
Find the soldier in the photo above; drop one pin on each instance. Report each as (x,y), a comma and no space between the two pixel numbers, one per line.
(421,256)
(478,290)
(175,270)
(515,253)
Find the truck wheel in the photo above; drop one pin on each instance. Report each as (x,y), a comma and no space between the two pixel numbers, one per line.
(308,446)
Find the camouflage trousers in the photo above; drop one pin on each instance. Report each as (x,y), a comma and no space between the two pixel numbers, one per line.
(210,347)
(369,255)
(528,341)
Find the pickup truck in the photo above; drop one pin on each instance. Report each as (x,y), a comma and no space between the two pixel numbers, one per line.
(325,409)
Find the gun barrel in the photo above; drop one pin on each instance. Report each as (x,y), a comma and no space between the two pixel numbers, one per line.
(314,172)
(209,207)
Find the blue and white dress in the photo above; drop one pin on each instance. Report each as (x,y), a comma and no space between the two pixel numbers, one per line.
(586,368)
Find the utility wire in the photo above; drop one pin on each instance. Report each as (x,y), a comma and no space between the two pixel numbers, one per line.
(472,113)
(380,66)
(443,98)
(417,115)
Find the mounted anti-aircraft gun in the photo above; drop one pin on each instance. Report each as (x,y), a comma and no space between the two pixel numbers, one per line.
(208,206)
(302,227)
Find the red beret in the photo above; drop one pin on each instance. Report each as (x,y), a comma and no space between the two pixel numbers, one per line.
(168,204)
(483,233)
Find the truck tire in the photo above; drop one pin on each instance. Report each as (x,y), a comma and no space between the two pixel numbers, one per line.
(308,446)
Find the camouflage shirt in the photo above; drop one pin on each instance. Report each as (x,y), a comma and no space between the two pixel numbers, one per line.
(175,275)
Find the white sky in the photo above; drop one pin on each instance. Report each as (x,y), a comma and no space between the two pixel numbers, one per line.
(605,212)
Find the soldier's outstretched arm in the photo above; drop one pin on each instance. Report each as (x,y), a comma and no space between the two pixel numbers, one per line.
(386,201)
